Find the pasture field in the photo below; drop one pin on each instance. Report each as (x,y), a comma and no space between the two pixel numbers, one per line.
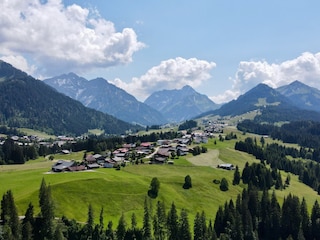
(124,191)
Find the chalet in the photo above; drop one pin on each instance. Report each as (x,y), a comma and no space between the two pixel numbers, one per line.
(90,159)
(62,166)
(146,145)
(163,152)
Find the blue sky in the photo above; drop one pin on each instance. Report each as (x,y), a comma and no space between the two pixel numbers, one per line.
(221,48)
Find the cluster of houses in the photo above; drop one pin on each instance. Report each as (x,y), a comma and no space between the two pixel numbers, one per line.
(155,153)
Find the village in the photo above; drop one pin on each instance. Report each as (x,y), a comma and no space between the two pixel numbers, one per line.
(160,152)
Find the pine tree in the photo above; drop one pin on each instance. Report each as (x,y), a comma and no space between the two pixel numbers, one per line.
(275,216)
(146,222)
(159,222)
(121,228)
(315,220)
(236,177)
(184,228)
(109,231)
(9,215)
(46,211)
(172,223)
(28,223)
(305,220)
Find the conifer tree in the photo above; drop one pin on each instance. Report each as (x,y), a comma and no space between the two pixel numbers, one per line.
(109,231)
(28,223)
(184,228)
(159,222)
(315,220)
(121,228)
(305,220)
(275,215)
(172,223)
(46,211)
(146,222)
(9,215)
(236,176)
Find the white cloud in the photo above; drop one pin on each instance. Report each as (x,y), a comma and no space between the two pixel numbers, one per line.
(305,68)
(169,74)
(20,62)
(63,38)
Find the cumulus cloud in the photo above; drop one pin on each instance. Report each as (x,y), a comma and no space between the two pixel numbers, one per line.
(63,38)
(305,68)
(169,74)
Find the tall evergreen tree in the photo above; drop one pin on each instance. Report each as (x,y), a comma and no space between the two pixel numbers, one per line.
(146,222)
(9,215)
(172,223)
(159,222)
(46,211)
(184,228)
(315,220)
(28,223)
(121,228)
(236,176)
(305,220)
(109,232)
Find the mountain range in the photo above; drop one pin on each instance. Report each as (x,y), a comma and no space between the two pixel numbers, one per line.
(159,108)
(302,95)
(178,105)
(27,102)
(103,96)
(295,101)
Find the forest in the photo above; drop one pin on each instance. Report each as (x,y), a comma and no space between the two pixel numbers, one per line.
(304,133)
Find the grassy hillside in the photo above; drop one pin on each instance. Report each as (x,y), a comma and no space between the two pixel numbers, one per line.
(124,191)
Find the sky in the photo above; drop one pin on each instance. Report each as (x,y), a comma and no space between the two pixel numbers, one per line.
(220,48)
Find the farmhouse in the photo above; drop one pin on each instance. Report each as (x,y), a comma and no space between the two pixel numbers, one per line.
(226,166)
(62,166)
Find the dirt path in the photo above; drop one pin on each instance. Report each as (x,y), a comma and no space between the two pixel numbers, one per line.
(211,159)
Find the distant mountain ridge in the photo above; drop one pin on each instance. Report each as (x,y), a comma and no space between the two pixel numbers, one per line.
(302,95)
(101,95)
(272,105)
(180,104)
(27,102)
(256,98)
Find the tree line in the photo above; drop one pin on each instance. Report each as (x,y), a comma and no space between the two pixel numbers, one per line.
(304,133)
(276,156)
(251,216)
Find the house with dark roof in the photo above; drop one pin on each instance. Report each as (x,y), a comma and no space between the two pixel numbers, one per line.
(62,166)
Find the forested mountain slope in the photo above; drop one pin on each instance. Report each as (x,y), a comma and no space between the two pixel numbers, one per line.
(27,102)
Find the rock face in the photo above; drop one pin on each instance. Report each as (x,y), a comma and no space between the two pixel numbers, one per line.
(180,104)
(99,94)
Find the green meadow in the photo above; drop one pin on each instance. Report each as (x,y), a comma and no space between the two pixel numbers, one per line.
(124,191)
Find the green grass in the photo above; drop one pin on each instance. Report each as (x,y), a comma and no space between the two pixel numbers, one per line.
(40,134)
(124,191)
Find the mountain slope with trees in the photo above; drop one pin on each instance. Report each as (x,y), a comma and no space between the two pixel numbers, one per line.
(103,96)
(30,103)
(270,105)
